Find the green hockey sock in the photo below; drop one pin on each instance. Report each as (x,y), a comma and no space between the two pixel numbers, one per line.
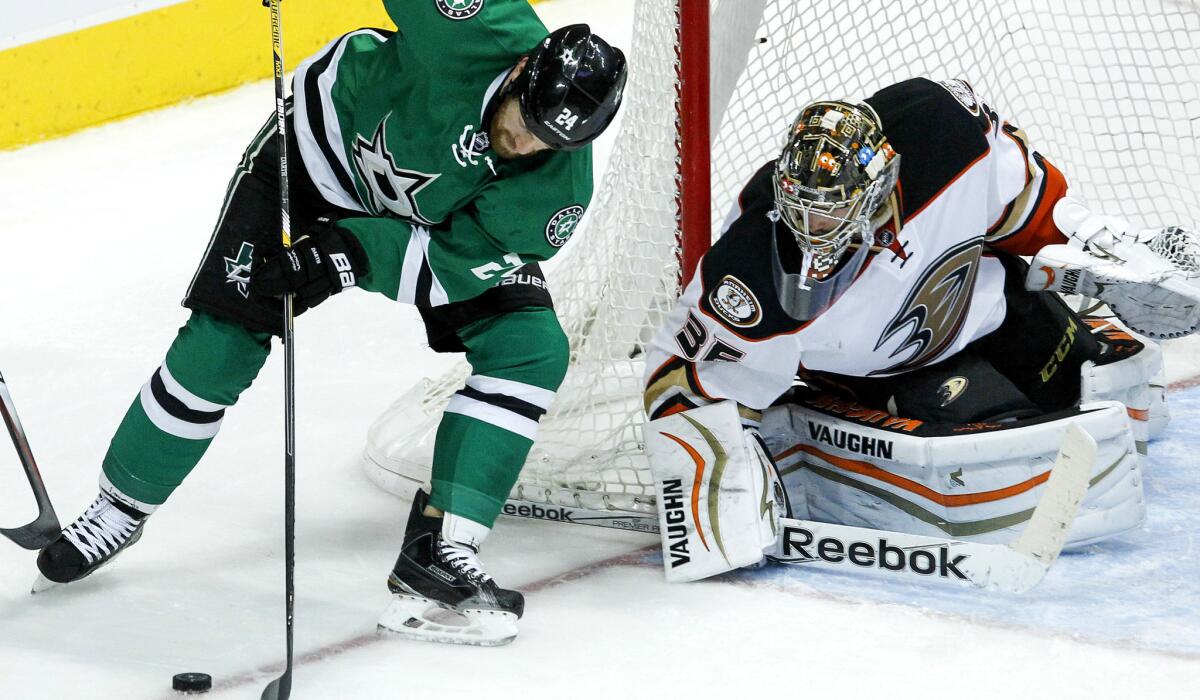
(179,410)
(518,361)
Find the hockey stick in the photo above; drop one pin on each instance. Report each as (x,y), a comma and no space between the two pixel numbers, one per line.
(281,688)
(1015,567)
(45,528)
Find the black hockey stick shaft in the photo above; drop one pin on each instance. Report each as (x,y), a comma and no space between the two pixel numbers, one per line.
(45,528)
(281,688)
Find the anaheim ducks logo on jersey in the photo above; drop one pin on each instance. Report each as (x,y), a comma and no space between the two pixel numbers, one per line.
(963,92)
(734,302)
(934,311)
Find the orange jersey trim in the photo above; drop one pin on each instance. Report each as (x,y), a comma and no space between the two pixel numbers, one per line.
(1039,230)
(1005,130)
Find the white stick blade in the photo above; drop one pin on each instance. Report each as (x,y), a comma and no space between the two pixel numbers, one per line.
(1043,538)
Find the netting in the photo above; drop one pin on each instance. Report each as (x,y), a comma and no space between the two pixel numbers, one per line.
(1106,90)
(1180,246)
(611,285)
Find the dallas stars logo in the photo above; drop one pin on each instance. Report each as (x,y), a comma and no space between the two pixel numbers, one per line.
(459,9)
(390,188)
(560,226)
(237,270)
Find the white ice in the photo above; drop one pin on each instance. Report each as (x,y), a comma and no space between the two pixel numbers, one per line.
(99,235)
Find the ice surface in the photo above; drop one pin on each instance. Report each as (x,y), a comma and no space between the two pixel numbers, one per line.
(1137,591)
(99,235)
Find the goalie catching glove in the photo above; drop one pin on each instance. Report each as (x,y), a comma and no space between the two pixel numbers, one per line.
(319,264)
(1150,278)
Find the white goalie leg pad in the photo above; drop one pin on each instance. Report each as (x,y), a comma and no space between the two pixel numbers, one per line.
(1137,381)
(1160,410)
(717,510)
(977,482)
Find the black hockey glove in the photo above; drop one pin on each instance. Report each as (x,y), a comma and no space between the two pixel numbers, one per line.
(322,262)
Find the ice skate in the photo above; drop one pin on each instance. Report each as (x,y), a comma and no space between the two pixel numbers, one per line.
(105,529)
(440,592)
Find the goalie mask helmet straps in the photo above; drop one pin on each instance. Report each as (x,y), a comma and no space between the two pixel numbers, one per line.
(571,87)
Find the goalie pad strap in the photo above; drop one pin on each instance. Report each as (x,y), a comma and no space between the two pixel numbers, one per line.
(1084,227)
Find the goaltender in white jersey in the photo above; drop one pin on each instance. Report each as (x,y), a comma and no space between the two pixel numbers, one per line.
(917,375)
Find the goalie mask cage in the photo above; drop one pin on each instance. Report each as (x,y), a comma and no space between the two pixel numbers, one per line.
(1106,89)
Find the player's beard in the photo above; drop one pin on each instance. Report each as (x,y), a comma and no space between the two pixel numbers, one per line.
(502,144)
(500,133)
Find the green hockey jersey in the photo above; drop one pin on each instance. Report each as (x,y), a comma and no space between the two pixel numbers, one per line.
(391,125)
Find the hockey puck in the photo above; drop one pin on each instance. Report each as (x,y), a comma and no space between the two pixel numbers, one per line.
(192,682)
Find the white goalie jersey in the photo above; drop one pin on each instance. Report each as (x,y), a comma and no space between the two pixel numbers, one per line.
(969,185)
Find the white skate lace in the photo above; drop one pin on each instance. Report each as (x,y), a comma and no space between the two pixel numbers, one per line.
(101,530)
(463,560)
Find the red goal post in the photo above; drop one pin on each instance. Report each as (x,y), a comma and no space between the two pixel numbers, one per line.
(695,183)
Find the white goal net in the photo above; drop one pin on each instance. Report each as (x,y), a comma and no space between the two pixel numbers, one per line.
(1106,89)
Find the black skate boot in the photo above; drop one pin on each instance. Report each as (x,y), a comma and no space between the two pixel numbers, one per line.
(105,529)
(441,593)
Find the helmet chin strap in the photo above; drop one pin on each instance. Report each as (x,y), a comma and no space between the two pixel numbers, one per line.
(806,256)
(805,266)
(868,237)
(806,259)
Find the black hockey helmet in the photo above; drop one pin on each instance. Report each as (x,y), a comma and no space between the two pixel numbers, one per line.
(571,87)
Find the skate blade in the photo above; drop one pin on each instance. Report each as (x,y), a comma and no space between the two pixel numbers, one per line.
(42,584)
(418,618)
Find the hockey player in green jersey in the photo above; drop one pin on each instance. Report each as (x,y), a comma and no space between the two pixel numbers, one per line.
(436,165)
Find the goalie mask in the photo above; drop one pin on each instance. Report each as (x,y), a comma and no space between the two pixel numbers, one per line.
(832,177)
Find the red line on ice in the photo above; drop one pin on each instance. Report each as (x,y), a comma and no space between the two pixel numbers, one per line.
(265,673)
